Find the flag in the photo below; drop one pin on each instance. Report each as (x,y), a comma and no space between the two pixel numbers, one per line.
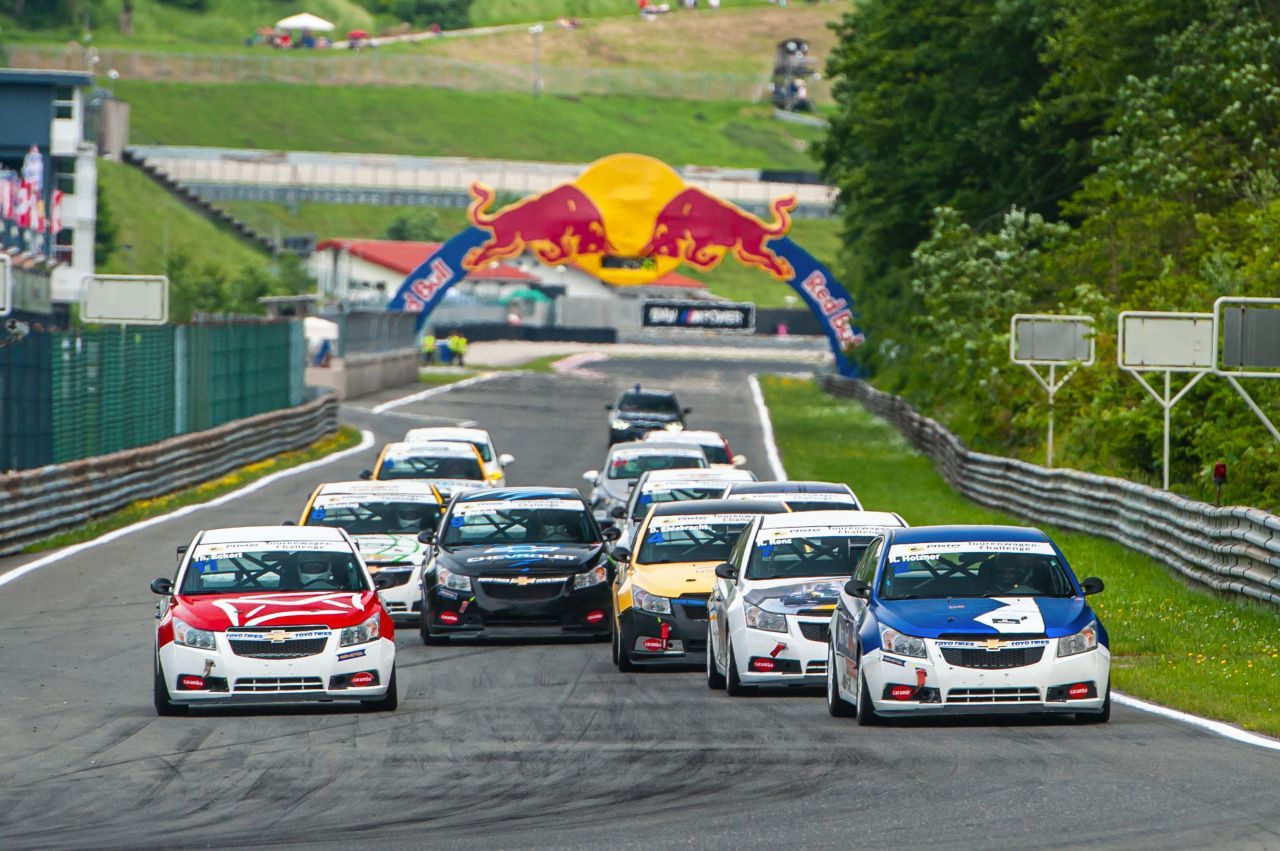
(24,204)
(55,213)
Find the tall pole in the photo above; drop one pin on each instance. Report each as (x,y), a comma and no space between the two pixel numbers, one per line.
(536,32)
(1052,389)
(1168,405)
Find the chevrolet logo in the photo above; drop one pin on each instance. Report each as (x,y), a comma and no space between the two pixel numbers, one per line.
(992,644)
(523,580)
(277,637)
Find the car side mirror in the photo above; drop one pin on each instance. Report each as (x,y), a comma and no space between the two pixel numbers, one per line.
(726,570)
(381,581)
(427,536)
(608,407)
(686,410)
(591,476)
(1092,585)
(506,460)
(162,586)
(857,588)
(621,554)
(182,550)
(739,460)
(288,522)
(618,512)
(611,533)
(366,474)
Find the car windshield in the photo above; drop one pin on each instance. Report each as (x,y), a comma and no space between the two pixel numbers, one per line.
(716,453)
(483,448)
(631,466)
(797,553)
(674,494)
(546,521)
(975,569)
(275,567)
(431,467)
(374,517)
(690,538)
(658,403)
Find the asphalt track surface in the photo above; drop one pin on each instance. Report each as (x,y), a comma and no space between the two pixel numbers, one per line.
(547,745)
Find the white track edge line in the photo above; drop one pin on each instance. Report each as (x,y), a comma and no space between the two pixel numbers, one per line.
(435,391)
(766,426)
(366,441)
(1219,728)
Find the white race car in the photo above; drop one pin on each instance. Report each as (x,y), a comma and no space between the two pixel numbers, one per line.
(769,613)
(454,467)
(495,465)
(715,444)
(657,486)
(799,496)
(387,521)
(626,462)
(271,613)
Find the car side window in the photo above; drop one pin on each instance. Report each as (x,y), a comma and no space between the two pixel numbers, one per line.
(866,569)
(740,546)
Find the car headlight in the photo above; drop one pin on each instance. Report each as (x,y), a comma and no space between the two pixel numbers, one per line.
(449,579)
(1082,642)
(904,645)
(188,636)
(367,631)
(619,424)
(758,618)
(651,602)
(674,426)
(594,576)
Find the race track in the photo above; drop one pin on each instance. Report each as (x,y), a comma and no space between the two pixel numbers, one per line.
(536,745)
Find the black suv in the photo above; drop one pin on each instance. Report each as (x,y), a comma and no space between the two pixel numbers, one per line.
(640,411)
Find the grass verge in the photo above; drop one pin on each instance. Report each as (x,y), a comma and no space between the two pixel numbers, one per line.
(146,508)
(1171,644)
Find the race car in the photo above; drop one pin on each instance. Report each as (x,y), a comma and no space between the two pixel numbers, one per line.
(627,461)
(657,486)
(453,467)
(518,562)
(799,496)
(768,615)
(967,619)
(660,592)
(639,411)
(386,520)
(715,444)
(494,464)
(272,613)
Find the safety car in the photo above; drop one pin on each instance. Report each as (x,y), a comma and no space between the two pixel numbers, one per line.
(770,607)
(639,411)
(967,619)
(271,613)
(658,486)
(518,562)
(625,463)
(715,444)
(495,464)
(800,496)
(453,467)
(386,520)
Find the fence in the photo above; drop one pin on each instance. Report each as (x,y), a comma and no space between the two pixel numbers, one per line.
(1231,549)
(77,394)
(38,503)
(371,69)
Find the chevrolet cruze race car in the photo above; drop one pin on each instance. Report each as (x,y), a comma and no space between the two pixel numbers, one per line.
(495,465)
(715,444)
(270,613)
(659,486)
(385,520)
(638,412)
(799,496)
(770,608)
(453,467)
(955,619)
(660,592)
(518,561)
(626,462)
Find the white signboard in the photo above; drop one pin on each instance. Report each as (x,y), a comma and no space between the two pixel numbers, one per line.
(125,300)
(1159,341)
(6,285)
(1049,339)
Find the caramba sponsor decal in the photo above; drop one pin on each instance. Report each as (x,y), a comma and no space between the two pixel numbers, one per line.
(918,552)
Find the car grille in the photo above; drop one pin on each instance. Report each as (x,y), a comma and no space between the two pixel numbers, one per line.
(395,575)
(512,591)
(279,684)
(521,622)
(695,610)
(287,649)
(976,657)
(815,630)
(994,695)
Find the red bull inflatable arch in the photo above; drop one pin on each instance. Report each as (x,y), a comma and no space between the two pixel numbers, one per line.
(629,219)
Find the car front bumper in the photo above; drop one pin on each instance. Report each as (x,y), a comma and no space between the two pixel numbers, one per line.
(679,638)
(799,655)
(403,601)
(490,611)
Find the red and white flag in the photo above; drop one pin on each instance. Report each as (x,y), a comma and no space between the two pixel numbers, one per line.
(24,205)
(55,213)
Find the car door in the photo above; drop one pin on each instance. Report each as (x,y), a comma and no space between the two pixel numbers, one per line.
(851,612)
(726,592)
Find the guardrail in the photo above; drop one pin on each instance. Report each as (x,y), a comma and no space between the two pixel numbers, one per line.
(1230,549)
(37,503)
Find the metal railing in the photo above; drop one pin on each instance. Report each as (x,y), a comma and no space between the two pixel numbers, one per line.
(1230,549)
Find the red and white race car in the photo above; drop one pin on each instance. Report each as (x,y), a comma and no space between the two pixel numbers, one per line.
(271,613)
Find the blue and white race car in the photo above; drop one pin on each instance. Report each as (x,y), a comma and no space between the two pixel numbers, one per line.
(967,619)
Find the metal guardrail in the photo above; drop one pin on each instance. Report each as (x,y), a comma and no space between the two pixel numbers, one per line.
(37,503)
(1230,549)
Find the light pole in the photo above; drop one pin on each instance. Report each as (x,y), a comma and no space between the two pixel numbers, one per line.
(536,31)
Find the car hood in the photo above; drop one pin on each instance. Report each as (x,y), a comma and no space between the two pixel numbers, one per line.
(521,558)
(382,550)
(1050,616)
(817,595)
(677,579)
(333,609)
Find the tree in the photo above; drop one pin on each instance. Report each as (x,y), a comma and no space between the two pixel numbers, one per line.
(421,225)
(106,232)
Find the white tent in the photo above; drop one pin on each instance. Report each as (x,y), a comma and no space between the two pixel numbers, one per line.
(306,22)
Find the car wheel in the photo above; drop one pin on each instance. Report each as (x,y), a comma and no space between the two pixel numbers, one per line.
(624,658)
(715,679)
(866,710)
(837,706)
(165,706)
(1097,717)
(733,685)
(390,701)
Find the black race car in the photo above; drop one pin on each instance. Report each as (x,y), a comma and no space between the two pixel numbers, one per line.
(638,412)
(518,561)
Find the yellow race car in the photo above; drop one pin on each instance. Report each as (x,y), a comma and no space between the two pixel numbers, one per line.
(661,588)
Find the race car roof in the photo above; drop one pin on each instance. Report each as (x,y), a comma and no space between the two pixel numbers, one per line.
(698,436)
(447,433)
(375,487)
(834,518)
(789,487)
(497,494)
(696,474)
(235,534)
(720,506)
(456,449)
(637,448)
(936,534)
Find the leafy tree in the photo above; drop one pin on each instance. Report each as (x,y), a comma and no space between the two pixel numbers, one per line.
(421,225)
(106,232)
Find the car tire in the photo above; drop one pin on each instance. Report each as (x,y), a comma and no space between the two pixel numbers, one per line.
(837,706)
(733,685)
(866,710)
(1097,717)
(388,702)
(425,631)
(715,679)
(164,706)
(625,665)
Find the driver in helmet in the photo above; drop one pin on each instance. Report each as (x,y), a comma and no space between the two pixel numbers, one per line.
(1010,574)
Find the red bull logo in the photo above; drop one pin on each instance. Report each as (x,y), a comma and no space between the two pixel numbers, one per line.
(700,229)
(557,225)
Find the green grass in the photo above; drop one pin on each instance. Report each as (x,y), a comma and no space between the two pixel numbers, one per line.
(439,122)
(821,237)
(439,378)
(1171,644)
(145,508)
(328,221)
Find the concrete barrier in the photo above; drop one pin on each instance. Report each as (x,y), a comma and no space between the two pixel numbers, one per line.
(360,375)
